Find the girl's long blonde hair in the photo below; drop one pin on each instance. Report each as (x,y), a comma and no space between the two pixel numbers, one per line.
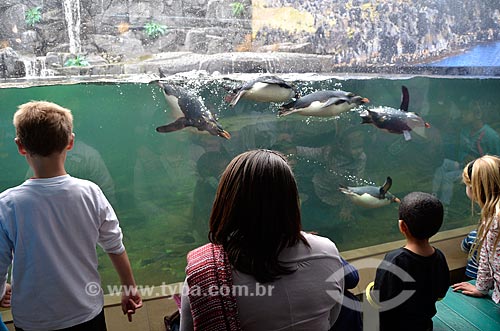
(483,177)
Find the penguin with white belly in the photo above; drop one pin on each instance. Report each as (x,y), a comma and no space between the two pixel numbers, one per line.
(323,104)
(189,111)
(399,121)
(263,89)
(370,196)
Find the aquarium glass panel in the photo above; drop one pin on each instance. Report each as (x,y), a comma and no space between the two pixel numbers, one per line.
(162,185)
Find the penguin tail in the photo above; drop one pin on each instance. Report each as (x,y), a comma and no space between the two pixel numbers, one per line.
(286,109)
(284,112)
(235,99)
(343,188)
(156,81)
(228,98)
(162,74)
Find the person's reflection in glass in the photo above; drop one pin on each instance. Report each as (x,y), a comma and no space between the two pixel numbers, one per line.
(85,162)
(476,139)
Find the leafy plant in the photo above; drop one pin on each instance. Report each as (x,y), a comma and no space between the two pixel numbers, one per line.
(79,61)
(238,8)
(33,16)
(154,30)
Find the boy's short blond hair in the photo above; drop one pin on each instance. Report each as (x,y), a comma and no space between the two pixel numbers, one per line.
(43,127)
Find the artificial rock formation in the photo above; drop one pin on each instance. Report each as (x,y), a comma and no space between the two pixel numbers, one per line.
(347,32)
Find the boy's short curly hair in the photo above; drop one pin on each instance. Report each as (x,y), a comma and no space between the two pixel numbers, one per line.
(43,127)
(423,214)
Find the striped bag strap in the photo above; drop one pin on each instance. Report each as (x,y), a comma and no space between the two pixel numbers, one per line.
(209,276)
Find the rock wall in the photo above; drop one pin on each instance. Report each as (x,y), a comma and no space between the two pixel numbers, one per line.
(377,31)
(351,32)
(116,27)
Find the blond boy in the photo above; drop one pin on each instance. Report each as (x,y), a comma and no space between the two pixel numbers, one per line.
(49,228)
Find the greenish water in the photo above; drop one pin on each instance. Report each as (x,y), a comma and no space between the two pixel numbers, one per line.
(162,185)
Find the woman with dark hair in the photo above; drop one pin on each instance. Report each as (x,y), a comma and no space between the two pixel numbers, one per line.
(260,271)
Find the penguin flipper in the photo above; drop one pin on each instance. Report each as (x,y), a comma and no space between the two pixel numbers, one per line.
(284,112)
(405,98)
(333,101)
(273,80)
(342,188)
(387,185)
(177,125)
(347,190)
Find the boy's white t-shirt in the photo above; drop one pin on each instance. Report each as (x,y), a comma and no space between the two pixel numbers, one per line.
(51,227)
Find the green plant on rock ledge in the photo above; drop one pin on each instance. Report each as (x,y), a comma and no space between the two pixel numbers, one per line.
(238,8)
(33,16)
(79,61)
(154,30)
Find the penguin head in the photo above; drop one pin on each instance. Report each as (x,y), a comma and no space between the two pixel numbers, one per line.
(366,116)
(358,100)
(392,198)
(215,129)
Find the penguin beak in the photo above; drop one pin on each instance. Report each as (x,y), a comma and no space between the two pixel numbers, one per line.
(427,125)
(365,100)
(225,134)
(396,200)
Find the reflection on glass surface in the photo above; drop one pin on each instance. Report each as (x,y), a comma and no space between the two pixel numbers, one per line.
(164,183)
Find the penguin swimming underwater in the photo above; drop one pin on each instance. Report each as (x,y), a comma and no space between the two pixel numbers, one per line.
(189,111)
(399,121)
(323,104)
(263,89)
(370,196)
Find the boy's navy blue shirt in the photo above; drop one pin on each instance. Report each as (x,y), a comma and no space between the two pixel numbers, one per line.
(431,281)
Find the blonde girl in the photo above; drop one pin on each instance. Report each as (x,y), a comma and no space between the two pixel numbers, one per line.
(482,180)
